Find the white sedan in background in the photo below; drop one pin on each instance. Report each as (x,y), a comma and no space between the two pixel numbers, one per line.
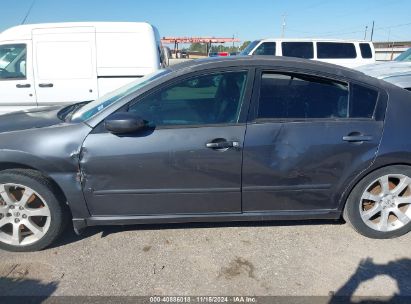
(397,72)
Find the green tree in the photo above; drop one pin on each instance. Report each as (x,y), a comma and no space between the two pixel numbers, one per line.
(197,47)
(244,45)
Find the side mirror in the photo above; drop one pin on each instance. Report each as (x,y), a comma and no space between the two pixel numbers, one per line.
(124,122)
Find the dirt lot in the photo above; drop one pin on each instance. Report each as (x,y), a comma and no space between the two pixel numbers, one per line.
(303,258)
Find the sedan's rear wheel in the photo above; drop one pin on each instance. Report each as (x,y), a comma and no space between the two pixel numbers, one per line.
(30,215)
(380,205)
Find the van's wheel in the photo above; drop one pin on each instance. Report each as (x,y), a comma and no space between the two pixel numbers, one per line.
(380,204)
(31,216)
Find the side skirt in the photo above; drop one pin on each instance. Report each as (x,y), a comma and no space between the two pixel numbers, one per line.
(81,224)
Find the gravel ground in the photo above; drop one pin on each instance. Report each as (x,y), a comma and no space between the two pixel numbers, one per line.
(283,258)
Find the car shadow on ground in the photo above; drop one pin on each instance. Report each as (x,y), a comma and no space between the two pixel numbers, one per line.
(69,236)
(23,290)
(398,270)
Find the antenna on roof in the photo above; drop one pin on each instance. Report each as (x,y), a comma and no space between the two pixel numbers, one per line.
(28,12)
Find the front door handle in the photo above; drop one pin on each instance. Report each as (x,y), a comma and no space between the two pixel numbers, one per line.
(222,145)
(23,86)
(357,138)
(46,85)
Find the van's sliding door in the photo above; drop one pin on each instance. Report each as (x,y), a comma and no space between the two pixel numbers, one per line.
(65,65)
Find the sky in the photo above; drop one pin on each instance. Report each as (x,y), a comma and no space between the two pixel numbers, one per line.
(245,19)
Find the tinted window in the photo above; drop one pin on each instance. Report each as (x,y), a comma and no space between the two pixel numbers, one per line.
(363,101)
(208,99)
(13,61)
(335,50)
(365,50)
(301,96)
(266,48)
(298,49)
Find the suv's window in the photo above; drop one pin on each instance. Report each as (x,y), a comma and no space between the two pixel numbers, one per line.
(266,48)
(336,50)
(366,52)
(363,101)
(301,96)
(12,61)
(298,49)
(207,99)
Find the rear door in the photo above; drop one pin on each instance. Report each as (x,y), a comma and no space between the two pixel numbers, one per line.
(306,137)
(65,65)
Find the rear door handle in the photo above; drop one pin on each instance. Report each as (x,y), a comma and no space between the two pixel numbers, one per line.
(46,85)
(223,145)
(23,86)
(357,138)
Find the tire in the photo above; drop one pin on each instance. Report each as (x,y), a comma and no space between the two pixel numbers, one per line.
(47,200)
(371,199)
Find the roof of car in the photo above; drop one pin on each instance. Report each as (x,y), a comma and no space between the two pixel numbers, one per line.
(273,61)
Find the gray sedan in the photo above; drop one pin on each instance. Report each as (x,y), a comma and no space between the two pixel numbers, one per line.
(223,139)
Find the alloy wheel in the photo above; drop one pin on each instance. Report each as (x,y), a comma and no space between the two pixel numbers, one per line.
(386,203)
(24,215)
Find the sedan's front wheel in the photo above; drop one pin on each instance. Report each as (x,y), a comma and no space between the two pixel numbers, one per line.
(380,205)
(31,217)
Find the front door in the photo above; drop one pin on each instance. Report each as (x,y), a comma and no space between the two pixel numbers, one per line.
(308,136)
(188,160)
(17,90)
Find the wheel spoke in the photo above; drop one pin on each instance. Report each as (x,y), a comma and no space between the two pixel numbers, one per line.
(402,217)
(16,236)
(403,200)
(5,195)
(403,184)
(366,215)
(44,211)
(4,221)
(383,225)
(27,194)
(371,197)
(385,188)
(37,231)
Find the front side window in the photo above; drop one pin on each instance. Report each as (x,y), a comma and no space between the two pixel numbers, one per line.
(298,49)
(266,48)
(249,48)
(336,50)
(366,51)
(406,56)
(295,96)
(13,61)
(207,99)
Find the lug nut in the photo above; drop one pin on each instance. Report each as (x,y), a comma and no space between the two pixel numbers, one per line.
(24,216)
(11,207)
(21,208)
(17,221)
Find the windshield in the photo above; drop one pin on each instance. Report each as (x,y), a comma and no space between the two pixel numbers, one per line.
(406,56)
(250,47)
(94,107)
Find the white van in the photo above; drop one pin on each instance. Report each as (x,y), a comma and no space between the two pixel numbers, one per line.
(62,63)
(342,52)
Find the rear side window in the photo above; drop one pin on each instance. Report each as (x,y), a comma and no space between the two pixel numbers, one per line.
(366,52)
(336,50)
(301,96)
(363,101)
(266,48)
(298,49)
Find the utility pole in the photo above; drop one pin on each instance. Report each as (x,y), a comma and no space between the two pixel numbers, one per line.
(365,34)
(372,30)
(283,27)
